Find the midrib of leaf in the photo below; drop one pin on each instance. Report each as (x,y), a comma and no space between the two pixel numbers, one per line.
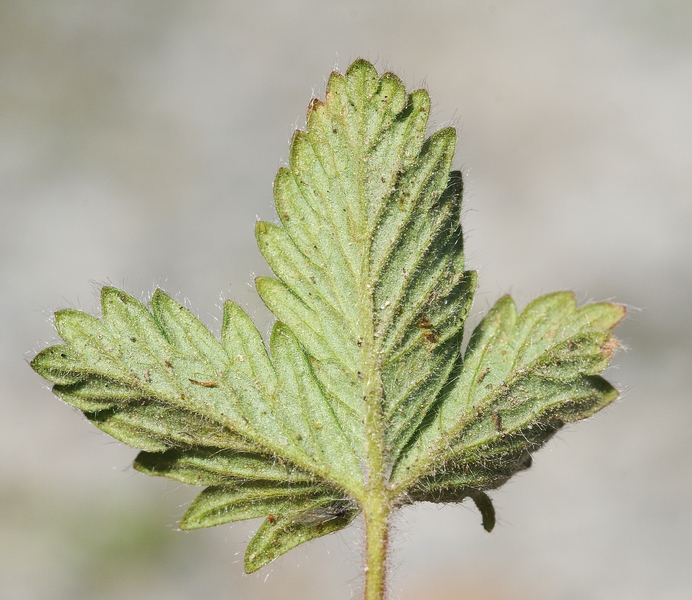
(371,247)
(356,247)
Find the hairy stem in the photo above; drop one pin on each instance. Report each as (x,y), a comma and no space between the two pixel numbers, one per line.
(377,536)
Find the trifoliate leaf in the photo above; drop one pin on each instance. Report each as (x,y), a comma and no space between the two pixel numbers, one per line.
(364,401)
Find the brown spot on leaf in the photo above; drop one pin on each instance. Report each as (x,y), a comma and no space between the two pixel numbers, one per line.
(209,384)
(424,323)
(430,337)
(610,346)
(482,375)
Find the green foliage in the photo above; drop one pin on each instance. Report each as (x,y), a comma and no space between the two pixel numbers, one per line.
(364,401)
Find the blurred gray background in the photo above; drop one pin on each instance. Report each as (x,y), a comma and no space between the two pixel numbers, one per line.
(138,144)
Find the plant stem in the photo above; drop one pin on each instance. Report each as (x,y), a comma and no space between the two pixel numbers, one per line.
(376,501)
(376,539)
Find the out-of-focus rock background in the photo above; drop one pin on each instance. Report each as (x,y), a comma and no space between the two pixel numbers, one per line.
(138,143)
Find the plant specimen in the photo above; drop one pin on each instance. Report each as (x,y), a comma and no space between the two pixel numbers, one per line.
(364,401)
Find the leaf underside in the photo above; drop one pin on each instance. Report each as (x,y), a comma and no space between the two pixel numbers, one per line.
(371,295)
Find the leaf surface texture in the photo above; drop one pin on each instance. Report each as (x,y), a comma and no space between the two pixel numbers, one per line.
(362,386)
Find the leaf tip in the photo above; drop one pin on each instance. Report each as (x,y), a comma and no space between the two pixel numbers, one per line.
(251,564)
(160,297)
(38,363)
(622,309)
(315,104)
(111,296)
(262,283)
(360,66)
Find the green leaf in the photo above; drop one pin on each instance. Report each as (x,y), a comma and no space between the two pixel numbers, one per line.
(370,252)
(364,401)
(217,467)
(523,377)
(303,522)
(249,500)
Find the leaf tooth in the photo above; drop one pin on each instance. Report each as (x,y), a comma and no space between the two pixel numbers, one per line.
(418,123)
(310,282)
(344,394)
(245,348)
(408,409)
(440,268)
(403,377)
(215,466)
(314,179)
(221,504)
(416,192)
(486,346)
(75,326)
(59,365)
(543,405)
(298,180)
(302,219)
(307,412)
(149,424)
(90,343)
(407,281)
(585,354)
(441,317)
(385,104)
(394,153)
(321,334)
(131,323)
(325,248)
(186,333)
(541,324)
(339,160)
(94,393)
(600,315)
(293,527)
(309,173)
(359,84)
